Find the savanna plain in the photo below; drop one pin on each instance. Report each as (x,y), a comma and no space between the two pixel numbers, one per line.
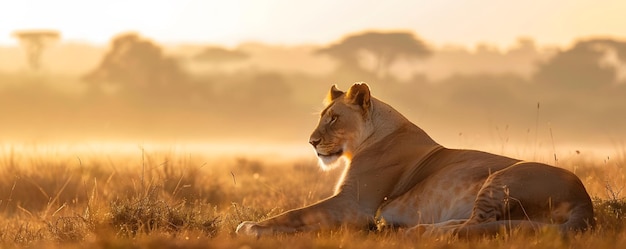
(173,199)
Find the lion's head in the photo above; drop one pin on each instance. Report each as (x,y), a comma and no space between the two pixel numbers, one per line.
(344,124)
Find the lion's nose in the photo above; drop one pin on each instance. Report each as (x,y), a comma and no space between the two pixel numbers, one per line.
(315,141)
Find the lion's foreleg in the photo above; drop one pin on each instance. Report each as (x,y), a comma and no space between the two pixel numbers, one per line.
(329,213)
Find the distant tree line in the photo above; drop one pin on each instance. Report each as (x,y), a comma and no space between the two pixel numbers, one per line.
(137,63)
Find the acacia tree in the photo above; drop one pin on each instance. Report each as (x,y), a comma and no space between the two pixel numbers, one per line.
(34,42)
(386,48)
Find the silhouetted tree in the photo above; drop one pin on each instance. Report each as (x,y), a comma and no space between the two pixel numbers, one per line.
(139,64)
(588,65)
(34,42)
(385,47)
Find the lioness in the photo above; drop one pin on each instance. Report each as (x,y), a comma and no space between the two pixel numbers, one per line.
(396,175)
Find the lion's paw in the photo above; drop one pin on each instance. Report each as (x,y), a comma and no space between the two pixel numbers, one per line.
(249,228)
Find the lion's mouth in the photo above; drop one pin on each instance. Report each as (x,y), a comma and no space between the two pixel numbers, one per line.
(333,154)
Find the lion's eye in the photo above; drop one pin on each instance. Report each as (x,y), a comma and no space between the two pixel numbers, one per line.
(333,118)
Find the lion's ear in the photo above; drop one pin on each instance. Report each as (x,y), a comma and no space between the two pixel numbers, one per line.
(359,94)
(333,94)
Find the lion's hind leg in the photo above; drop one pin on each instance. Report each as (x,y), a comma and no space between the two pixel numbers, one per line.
(525,198)
(495,211)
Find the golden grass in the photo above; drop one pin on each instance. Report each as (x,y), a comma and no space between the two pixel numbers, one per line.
(177,199)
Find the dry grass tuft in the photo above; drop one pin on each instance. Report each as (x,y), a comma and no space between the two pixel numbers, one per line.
(150,213)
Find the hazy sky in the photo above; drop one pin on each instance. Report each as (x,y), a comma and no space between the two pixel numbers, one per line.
(462,22)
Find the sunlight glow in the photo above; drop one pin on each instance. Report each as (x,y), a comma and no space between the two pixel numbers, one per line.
(266,150)
(290,22)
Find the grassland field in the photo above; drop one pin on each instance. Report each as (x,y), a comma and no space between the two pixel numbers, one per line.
(178,199)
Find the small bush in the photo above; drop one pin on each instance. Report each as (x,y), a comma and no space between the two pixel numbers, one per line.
(610,214)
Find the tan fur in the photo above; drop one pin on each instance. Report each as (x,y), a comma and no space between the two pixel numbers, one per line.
(398,176)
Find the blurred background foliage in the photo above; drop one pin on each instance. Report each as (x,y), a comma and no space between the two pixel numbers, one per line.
(138,89)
